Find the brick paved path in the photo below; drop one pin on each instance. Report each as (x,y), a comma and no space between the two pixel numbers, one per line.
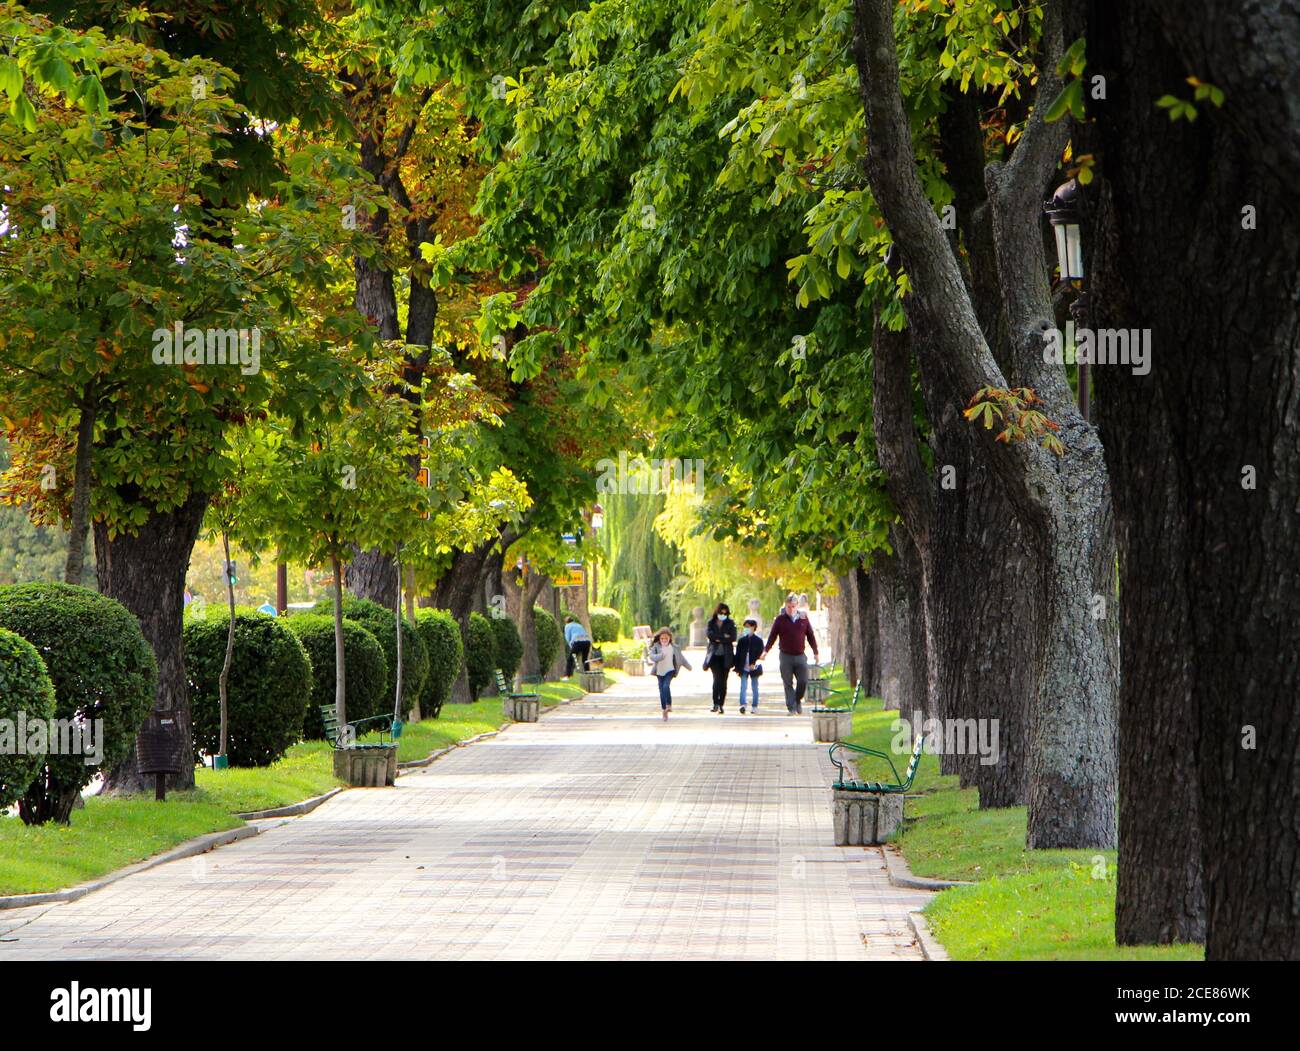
(598,833)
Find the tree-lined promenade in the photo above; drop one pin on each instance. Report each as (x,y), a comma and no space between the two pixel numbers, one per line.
(431,299)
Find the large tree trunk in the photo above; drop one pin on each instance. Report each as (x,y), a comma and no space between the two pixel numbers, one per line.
(146,573)
(1062,501)
(521,596)
(455,592)
(1198,243)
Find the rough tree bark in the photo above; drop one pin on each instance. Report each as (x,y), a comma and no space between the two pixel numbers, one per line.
(146,573)
(521,595)
(455,593)
(1196,241)
(1063,502)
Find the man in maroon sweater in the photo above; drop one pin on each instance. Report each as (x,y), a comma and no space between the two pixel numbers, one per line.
(794,629)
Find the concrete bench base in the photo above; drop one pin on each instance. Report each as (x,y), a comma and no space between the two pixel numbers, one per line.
(525,710)
(863,818)
(633,666)
(370,767)
(831,726)
(592,681)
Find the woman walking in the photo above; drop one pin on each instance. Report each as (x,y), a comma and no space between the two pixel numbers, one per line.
(666,659)
(721,653)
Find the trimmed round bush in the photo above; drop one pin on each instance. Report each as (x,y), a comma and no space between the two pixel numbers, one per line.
(550,639)
(381,623)
(606,624)
(268,692)
(365,670)
(104,677)
(25,692)
(441,636)
(480,654)
(509,647)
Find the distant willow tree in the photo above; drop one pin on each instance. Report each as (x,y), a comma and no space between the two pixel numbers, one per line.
(641,564)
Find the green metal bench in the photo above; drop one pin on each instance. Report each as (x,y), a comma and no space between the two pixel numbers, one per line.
(819,682)
(504,689)
(897,787)
(388,727)
(853,703)
(521,706)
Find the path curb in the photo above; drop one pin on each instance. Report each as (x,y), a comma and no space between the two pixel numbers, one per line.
(930,947)
(198,845)
(294,809)
(901,876)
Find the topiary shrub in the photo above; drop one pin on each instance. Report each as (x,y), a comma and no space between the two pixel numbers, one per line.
(269,689)
(26,695)
(441,636)
(550,639)
(104,677)
(606,624)
(365,670)
(381,623)
(509,647)
(480,654)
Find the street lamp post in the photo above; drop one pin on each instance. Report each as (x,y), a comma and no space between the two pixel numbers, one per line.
(1064,211)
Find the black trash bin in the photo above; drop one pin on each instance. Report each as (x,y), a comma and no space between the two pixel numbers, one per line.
(158,749)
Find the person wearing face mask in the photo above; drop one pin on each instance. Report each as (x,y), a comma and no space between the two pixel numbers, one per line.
(720,654)
(748,649)
(794,629)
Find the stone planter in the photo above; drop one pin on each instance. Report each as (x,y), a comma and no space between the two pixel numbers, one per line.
(366,766)
(831,726)
(633,666)
(526,710)
(863,818)
(592,681)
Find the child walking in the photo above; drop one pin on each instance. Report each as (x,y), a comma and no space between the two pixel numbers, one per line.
(748,649)
(666,659)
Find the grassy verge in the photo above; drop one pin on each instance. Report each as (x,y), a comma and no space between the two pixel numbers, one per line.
(111,833)
(1024,905)
(108,834)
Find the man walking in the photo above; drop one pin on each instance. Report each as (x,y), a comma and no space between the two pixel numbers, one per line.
(794,629)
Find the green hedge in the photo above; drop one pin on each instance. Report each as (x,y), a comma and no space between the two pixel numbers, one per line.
(550,639)
(480,654)
(606,624)
(617,652)
(268,692)
(365,672)
(509,647)
(441,636)
(381,623)
(26,690)
(102,669)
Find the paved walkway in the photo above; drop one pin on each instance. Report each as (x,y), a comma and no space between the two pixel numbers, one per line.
(599,833)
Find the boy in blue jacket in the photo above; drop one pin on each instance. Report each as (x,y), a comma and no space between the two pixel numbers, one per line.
(749,647)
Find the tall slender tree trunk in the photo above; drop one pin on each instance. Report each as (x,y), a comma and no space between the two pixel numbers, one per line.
(79,524)
(397,625)
(1196,243)
(340,662)
(223,681)
(146,573)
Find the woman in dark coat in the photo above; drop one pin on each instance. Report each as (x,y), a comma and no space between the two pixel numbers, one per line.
(721,653)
